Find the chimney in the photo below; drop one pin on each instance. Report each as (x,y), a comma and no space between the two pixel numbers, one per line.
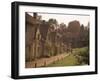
(35,15)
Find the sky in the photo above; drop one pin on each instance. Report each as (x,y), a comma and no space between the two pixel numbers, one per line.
(65,18)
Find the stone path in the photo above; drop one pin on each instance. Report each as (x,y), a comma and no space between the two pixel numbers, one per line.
(45,61)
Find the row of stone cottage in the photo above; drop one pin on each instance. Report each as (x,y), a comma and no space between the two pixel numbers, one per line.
(43,40)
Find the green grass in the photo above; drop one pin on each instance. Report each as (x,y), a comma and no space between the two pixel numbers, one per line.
(72,60)
(67,61)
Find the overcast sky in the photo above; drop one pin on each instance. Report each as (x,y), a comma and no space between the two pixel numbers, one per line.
(66,18)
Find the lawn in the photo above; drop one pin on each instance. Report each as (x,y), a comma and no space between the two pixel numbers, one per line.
(67,61)
(71,60)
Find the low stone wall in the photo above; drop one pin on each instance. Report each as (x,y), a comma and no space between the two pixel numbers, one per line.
(45,61)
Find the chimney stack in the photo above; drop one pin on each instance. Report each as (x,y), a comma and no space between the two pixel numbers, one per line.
(35,15)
